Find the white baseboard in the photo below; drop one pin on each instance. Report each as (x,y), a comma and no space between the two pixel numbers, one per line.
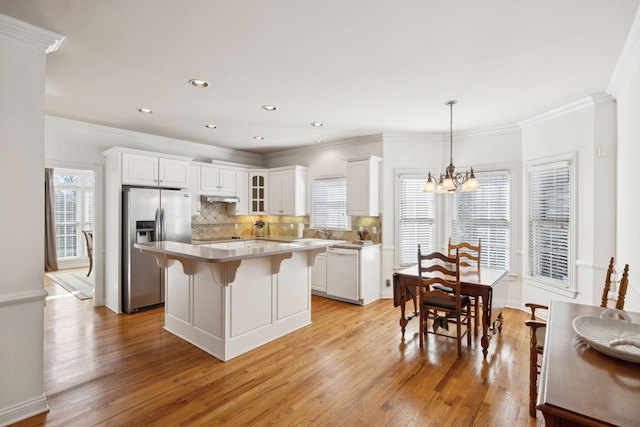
(23,410)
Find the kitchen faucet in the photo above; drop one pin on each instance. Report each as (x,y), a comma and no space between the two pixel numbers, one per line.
(324,233)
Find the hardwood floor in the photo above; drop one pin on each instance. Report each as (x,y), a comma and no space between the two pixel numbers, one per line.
(349,367)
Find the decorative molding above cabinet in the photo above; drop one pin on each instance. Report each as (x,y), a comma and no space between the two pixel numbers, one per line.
(363,186)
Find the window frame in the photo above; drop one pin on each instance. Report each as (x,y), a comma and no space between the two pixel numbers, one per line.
(568,288)
(85,208)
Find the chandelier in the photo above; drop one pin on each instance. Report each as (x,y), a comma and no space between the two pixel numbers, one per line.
(450,180)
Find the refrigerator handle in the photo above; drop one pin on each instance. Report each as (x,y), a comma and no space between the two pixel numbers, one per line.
(164,230)
(156,230)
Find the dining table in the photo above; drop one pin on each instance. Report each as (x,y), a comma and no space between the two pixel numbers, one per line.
(582,386)
(486,284)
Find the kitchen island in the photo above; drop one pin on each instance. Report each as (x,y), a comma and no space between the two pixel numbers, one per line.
(230,301)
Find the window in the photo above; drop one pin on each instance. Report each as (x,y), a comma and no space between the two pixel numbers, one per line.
(550,201)
(73,193)
(329,204)
(416,219)
(485,215)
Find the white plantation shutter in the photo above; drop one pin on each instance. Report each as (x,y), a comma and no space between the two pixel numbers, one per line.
(66,202)
(485,214)
(549,221)
(416,223)
(329,204)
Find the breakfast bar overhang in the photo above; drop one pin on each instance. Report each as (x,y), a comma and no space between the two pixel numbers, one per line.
(228,302)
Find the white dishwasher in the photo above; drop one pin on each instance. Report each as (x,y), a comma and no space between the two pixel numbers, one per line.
(342,274)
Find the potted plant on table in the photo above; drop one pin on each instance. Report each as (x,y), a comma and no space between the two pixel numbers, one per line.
(260,227)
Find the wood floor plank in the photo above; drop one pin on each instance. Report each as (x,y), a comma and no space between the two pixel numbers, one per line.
(349,367)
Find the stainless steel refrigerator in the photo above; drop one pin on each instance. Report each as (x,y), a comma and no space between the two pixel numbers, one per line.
(149,215)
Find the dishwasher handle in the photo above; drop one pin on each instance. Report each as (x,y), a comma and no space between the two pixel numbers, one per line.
(342,252)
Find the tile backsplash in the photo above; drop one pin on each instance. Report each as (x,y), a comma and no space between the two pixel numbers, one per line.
(213,222)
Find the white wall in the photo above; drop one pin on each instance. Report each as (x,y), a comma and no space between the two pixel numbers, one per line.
(79,142)
(628,177)
(22,74)
(584,128)
(327,159)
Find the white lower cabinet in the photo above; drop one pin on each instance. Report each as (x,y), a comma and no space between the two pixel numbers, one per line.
(319,274)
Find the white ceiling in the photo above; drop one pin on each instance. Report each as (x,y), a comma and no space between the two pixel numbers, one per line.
(360,67)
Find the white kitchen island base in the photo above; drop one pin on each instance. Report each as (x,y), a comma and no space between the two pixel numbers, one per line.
(229,308)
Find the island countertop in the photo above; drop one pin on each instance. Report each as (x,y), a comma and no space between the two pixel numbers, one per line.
(204,253)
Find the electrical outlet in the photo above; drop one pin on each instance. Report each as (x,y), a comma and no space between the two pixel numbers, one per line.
(236,226)
(375,230)
(388,283)
(291,226)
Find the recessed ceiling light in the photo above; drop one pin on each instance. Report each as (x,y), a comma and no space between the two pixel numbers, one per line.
(258,137)
(319,141)
(317,124)
(198,83)
(269,107)
(210,126)
(145,111)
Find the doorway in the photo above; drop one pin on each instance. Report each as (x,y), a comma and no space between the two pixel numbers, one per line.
(77,195)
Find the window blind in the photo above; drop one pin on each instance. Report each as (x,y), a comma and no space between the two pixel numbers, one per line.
(549,221)
(329,204)
(416,223)
(485,214)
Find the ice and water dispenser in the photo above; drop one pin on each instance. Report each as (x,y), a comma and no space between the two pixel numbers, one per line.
(145,231)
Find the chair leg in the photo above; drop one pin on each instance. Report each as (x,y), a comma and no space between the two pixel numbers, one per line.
(90,266)
(422,326)
(459,330)
(533,378)
(476,321)
(469,326)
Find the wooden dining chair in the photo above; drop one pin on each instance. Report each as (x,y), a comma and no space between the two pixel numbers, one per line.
(442,308)
(470,256)
(88,238)
(538,330)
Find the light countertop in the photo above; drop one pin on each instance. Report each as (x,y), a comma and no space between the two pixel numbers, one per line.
(200,252)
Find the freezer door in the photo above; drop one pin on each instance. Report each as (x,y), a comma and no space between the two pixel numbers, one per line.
(141,276)
(175,209)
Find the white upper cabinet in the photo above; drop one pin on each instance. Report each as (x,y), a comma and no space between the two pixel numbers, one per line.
(363,192)
(258,184)
(242,191)
(153,171)
(217,180)
(194,182)
(287,191)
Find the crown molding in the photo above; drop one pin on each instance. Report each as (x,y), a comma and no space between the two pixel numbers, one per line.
(28,33)
(358,140)
(493,130)
(598,98)
(627,59)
